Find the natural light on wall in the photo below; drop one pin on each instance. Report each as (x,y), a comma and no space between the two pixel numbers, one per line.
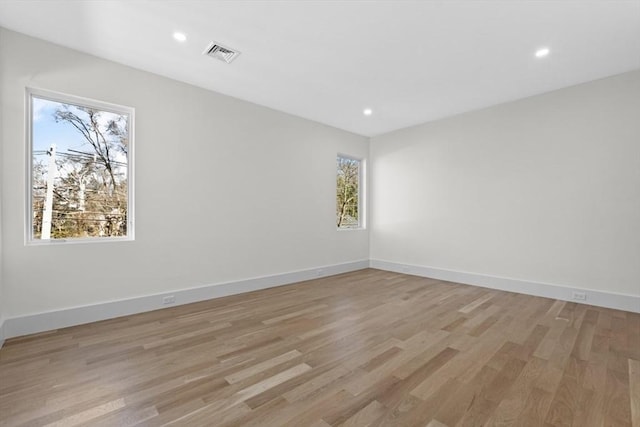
(80,169)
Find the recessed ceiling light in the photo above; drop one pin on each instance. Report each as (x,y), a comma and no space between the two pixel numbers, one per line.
(367,111)
(542,52)
(180,36)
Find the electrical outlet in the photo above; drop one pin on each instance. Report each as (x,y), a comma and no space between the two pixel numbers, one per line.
(579,296)
(169,299)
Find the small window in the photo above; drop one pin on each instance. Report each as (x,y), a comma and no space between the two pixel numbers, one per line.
(80,169)
(349,193)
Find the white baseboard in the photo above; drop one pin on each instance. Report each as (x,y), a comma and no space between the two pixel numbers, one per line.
(40,322)
(602,299)
(2,335)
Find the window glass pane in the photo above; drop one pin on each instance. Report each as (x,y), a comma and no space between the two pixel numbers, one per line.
(348,193)
(79,171)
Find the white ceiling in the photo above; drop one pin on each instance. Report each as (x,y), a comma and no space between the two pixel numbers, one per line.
(410,61)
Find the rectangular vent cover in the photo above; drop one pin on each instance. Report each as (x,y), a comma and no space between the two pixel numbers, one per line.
(217,51)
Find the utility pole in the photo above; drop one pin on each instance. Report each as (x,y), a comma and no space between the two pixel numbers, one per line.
(47,211)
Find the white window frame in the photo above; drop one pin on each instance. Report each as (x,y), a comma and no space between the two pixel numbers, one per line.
(84,102)
(362,193)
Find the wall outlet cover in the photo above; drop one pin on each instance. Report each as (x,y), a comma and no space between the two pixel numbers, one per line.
(579,296)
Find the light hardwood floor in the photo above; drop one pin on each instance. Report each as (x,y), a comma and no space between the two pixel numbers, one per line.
(368,348)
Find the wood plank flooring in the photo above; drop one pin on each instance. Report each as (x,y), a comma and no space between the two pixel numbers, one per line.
(368,348)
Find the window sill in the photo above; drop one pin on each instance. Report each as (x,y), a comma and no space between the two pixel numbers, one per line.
(72,241)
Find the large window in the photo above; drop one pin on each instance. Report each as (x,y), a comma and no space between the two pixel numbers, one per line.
(349,193)
(80,169)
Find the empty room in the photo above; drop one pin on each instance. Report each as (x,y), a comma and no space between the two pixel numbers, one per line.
(319,213)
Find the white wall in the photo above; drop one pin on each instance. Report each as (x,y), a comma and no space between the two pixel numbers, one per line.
(2,300)
(545,189)
(225,190)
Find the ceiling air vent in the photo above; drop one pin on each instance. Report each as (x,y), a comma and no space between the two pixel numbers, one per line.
(217,51)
